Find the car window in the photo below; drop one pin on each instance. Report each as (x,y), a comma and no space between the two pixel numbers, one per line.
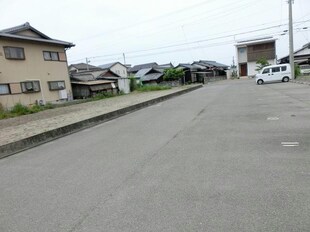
(267,70)
(276,69)
(305,67)
(283,68)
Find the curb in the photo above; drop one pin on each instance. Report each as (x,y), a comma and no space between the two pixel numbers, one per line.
(36,140)
(300,82)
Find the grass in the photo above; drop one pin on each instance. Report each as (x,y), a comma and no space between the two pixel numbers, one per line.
(19,109)
(147,88)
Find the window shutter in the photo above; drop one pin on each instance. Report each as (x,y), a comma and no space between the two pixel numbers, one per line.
(62,56)
(15,88)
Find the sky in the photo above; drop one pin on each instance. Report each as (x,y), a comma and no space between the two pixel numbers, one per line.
(159,31)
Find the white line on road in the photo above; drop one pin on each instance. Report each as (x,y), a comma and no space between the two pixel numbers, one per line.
(290,144)
(272,118)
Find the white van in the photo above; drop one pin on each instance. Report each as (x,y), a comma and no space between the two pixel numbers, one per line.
(280,72)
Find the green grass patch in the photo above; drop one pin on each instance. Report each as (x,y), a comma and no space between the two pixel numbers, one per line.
(19,109)
(147,88)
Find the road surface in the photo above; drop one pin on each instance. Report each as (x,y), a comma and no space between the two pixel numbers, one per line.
(231,156)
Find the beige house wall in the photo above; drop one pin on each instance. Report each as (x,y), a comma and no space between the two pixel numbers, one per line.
(34,67)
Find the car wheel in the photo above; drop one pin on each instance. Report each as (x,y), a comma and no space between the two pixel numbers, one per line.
(260,82)
(285,79)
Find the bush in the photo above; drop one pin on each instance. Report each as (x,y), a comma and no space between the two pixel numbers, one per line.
(133,83)
(19,109)
(173,74)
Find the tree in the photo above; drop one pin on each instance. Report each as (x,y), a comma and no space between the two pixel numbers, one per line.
(172,74)
(261,63)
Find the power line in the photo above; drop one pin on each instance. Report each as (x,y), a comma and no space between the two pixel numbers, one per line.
(193,42)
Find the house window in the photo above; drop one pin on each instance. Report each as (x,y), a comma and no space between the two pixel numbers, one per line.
(30,86)
(4,89)
(14,53)
(56,85)
(50,56)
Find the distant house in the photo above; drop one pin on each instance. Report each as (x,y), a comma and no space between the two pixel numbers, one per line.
(218,69)
(91,88)
(33,67)
(149,76)
(163,67)
(301,56)
(116,67)
(82,67)
(250,51)
(193,72)
(87,84)
(136,68)
(106,72)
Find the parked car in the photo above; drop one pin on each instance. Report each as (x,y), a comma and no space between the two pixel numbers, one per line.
(305,69)
(273,73)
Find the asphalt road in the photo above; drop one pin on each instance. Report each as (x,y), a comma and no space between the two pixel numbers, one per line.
(231,156)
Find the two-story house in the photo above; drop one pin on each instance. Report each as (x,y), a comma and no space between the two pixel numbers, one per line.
(33,67)
(250,51)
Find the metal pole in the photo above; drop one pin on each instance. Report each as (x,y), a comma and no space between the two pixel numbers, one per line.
(124,58)
(291,39)
(87,64)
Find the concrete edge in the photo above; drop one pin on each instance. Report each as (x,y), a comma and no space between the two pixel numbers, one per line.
(36,140)
(300,82)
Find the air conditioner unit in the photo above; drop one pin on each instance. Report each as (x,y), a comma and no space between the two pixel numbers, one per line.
(40,102)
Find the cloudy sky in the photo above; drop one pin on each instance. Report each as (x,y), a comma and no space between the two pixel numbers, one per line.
(159,31)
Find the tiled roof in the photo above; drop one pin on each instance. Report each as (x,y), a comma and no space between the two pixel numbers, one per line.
(83,66)
(12,34)
(136,68)
(151,76)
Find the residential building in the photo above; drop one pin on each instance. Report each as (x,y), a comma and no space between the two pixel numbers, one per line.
(136,68)
(82,67)
(116,67)
(149,76)
(87,84)
(250,51)
(33,67)
(218,69)
(301,56)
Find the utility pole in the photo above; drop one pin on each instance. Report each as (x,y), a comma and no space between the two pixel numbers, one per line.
(124,58)
(291,38)
(87,62)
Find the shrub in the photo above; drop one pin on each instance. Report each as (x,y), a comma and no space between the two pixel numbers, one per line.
(172,74)
(19,109)
(133,83)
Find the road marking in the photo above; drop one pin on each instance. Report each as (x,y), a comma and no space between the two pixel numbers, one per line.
(272,118)
(290,144)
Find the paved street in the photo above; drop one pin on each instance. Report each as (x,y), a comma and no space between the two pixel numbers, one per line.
(231,156)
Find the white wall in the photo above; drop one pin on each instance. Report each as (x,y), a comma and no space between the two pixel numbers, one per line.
(242,55)
(252,66)
(124,85)
(119,69)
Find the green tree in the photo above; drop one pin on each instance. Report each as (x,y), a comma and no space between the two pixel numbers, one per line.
(261,63)
(173,74)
